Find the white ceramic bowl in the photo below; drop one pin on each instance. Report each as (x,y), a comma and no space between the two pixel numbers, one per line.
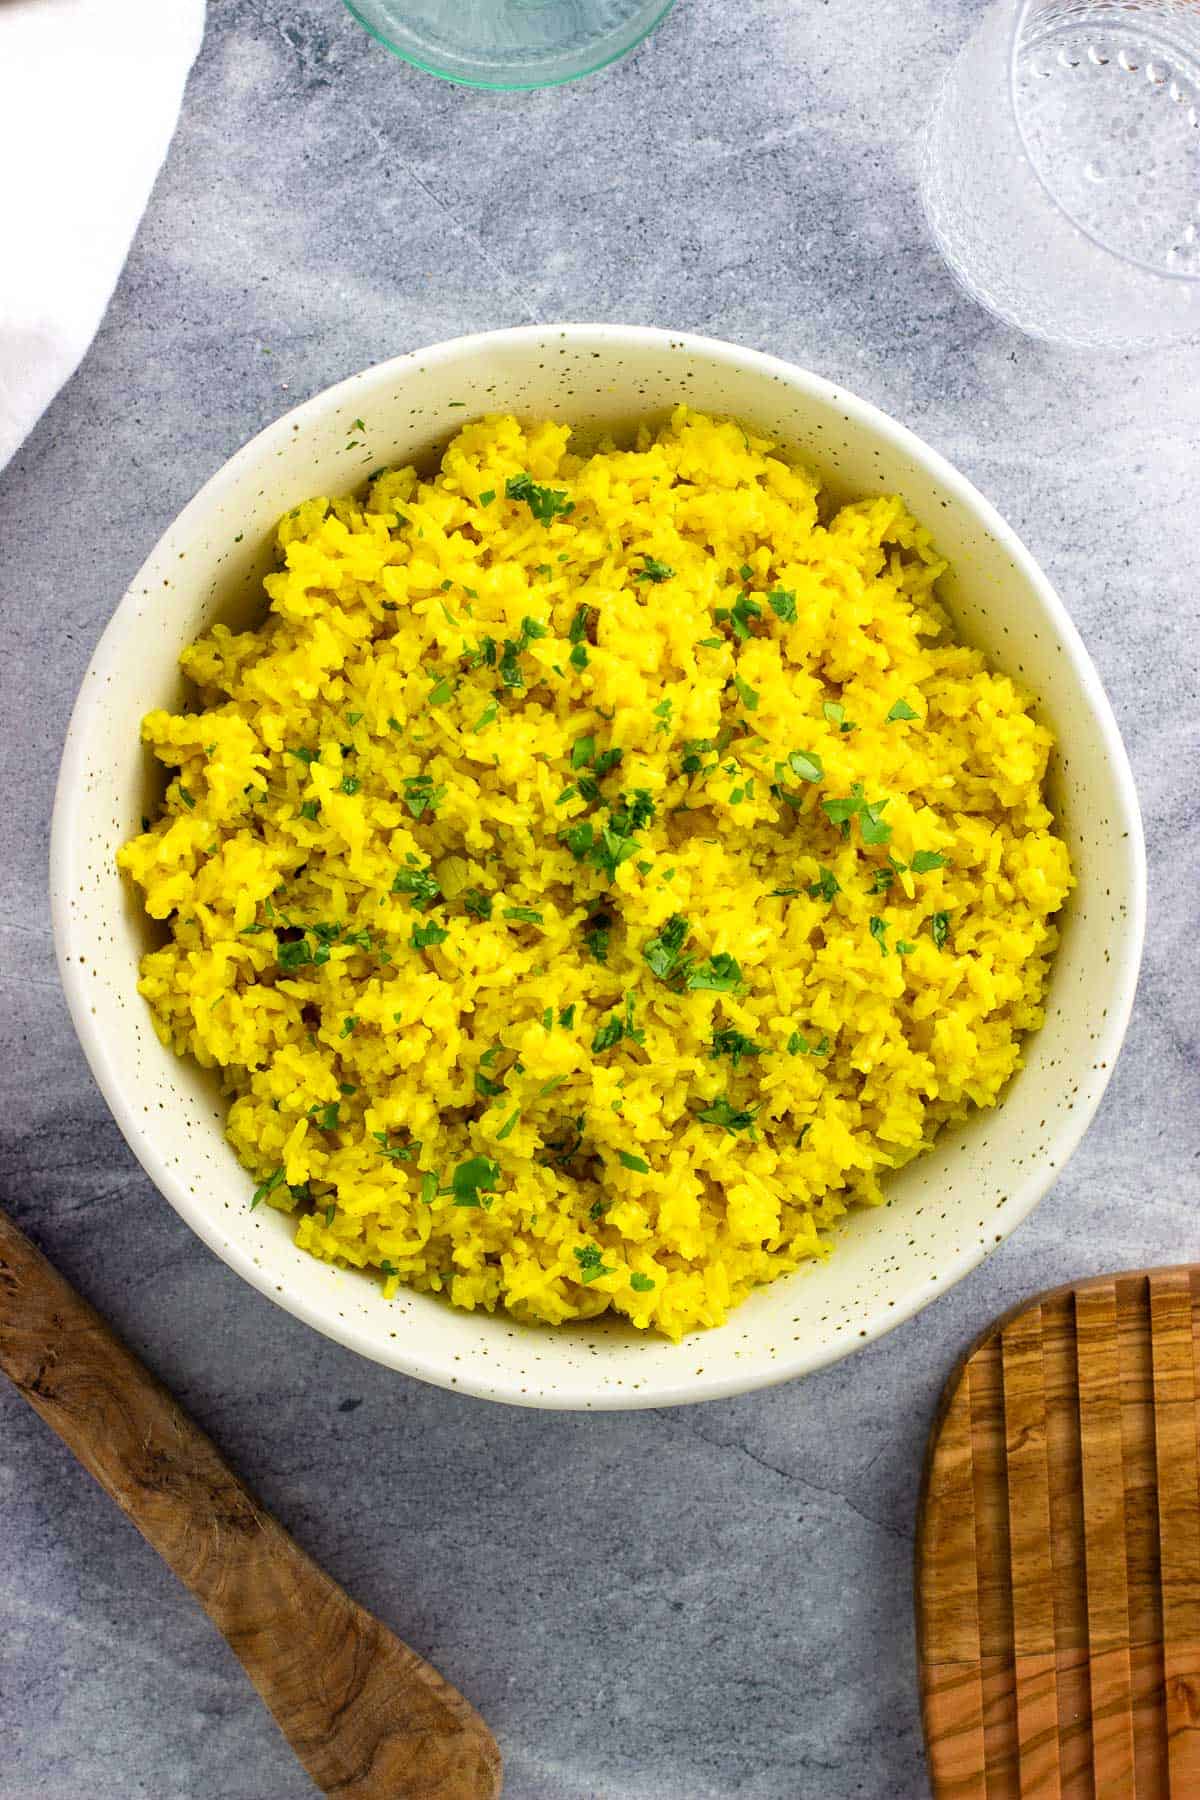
(945,1211)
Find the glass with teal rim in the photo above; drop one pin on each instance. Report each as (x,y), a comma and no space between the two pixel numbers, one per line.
(509,43)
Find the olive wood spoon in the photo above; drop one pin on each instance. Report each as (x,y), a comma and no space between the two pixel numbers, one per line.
(368,1718)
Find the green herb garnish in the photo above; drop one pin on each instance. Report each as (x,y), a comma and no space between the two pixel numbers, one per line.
(421,796)
(806,764)
(939,928)
(825,886)
(901,710)
(720,974)
(266,1187)
(654,570)
(474,1178)
(591,1263)
(730,1118)
(728,1041)
(628,1161)
(420,883)
(546,504)
(662,953)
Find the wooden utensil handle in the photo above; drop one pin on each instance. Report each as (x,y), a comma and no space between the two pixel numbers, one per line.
(326,1668)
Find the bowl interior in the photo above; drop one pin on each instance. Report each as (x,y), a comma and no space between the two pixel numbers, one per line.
(944,1211)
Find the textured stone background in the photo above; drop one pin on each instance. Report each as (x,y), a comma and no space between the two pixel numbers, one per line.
(677,1606)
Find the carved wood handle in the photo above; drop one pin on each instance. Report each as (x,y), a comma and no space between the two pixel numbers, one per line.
(368,1718)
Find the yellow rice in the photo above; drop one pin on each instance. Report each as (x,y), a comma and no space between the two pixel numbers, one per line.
(456,1111)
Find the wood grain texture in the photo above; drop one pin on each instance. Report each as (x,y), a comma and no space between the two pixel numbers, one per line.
(368,1718)
(1058,1551)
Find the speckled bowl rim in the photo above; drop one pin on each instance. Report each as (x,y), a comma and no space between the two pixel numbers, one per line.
(407,1356)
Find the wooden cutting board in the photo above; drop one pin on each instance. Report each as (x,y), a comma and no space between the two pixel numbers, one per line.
(1058,1551)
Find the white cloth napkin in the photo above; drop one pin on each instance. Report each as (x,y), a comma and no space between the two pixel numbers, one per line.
(89,97)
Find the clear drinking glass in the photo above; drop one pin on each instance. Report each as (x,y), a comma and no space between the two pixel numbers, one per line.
(509,43)
(1061,169)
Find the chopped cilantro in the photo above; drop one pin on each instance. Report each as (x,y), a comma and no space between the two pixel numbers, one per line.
(835,712)
(350,784)
(591,1263)
(348,1025)
(487,717)
(429,1187)
(510,668)
(325,1118)
(798,1045)
(508,1125)
(732,1119)
(441,691)
(266,1187)
(634,812)
(662,953)
(728,1041)
(596,937)
(901,710)
(713,643)
(806,764)
(423,936)
(397,1152)
(525,914)
(904,948)
(420,883)
(744,609)
(477,903)
(825,886)
(294,954)
(486,1088)
(641,1284)
(925,860)
(544,503)
(608,1035)
(579,657)
(567,1016)
(654,570)
(473,1178)
(874,831)
(582,752)
(628,1161)
(421,796)
(746,694)
(879,927)
(486,499)
(783,604)
(188,799)
(939,928)
(721,974)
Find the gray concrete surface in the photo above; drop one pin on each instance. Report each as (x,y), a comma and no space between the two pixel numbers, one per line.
(677,1606)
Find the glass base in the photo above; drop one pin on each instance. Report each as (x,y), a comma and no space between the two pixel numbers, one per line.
(509,43)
